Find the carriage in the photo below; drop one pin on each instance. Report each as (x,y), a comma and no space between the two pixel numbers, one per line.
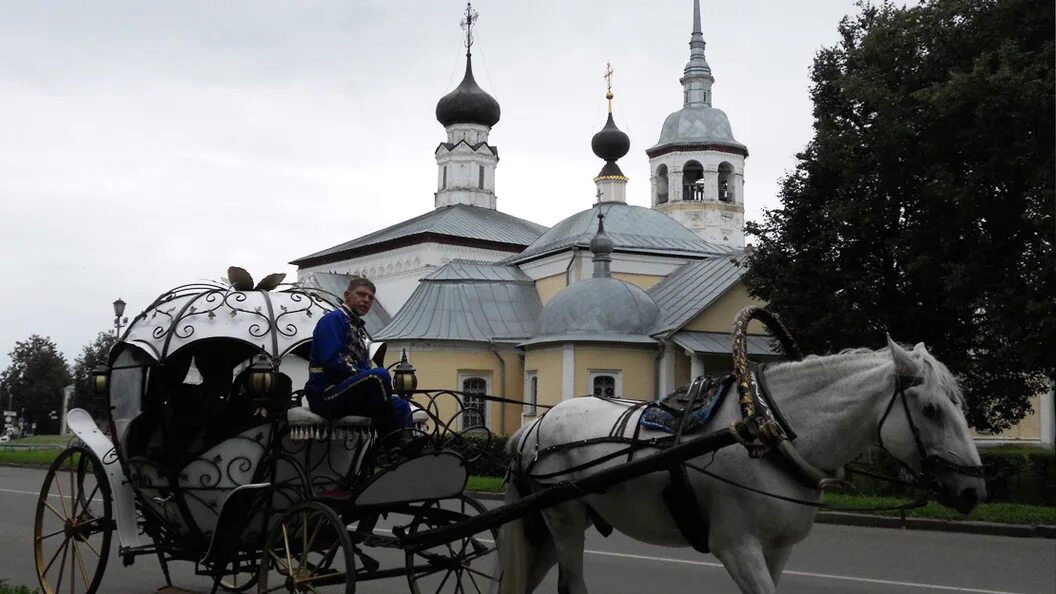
(212,457)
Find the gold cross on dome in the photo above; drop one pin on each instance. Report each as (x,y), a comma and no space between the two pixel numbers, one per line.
(468,22)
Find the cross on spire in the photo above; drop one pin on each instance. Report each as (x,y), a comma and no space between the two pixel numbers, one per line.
(467,25)
(608,74)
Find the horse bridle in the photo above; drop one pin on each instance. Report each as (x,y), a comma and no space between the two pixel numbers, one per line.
(930,464)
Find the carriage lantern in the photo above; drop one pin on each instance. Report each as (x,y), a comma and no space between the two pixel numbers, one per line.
(261,376)
(99,380)
(403,380)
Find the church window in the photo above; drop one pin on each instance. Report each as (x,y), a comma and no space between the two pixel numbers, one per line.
(480,180)
(474,409)
(661,184)
(444,186)
(605,382)
(725,182)
(692,174)
(531,393)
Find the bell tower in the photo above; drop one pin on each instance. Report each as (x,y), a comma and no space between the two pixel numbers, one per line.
(697,167)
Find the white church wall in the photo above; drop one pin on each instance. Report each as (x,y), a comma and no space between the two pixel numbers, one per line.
(397,272)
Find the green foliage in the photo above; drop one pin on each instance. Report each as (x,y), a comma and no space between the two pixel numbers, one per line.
(485,484)
(36,376)
(923,206)
(92,354)
(6,588)
(1004,513)
(490,453)
(1014,475)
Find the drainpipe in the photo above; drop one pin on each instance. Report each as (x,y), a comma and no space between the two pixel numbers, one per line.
(502,387)
(657,370)
(571,263)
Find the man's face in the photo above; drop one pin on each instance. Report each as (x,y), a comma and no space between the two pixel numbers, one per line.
(359,299)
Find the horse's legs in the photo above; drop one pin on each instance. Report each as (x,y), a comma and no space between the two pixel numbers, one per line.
(746,564)
(568,525)
(776,559)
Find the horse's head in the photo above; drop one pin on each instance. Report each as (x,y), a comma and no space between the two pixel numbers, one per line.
(924,427)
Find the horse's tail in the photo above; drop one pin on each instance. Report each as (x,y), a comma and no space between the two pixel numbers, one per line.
(516,552)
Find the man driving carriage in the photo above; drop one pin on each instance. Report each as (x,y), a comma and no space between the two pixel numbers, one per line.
(342,379)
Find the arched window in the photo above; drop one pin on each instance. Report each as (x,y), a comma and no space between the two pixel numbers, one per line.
(444,186)
(531,393)
(605,382)
(725,182)
(661,184)
(480,180)
(473,409)
(692,173)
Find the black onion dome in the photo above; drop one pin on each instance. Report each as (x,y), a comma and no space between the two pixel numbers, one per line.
(610,143)
(468,103)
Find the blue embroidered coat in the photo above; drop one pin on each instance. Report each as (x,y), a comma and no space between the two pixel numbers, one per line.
(339,350)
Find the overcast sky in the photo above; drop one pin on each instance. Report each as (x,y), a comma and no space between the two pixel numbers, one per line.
(144,145)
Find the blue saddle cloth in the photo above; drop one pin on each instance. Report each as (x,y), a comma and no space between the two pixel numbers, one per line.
(667,415)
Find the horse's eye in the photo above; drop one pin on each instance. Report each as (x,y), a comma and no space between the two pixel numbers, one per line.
(931,411)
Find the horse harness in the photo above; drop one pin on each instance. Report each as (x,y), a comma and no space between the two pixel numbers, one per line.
(930,464)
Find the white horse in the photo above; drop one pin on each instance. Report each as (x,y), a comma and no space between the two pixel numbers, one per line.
(839,405)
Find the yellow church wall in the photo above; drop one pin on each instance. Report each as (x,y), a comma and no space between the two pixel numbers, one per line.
(548,286)
(638,367)
(546,362)
(1029,429)
(719,317)
(642,281)
(440,369)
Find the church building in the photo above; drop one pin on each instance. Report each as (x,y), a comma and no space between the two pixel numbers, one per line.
(615,299)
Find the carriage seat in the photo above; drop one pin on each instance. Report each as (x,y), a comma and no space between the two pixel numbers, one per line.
(305,424)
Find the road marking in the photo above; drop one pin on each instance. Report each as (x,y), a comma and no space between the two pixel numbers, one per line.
(807,574)
(827,576)
(20,492)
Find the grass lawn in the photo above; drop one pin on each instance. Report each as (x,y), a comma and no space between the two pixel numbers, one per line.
(42,440)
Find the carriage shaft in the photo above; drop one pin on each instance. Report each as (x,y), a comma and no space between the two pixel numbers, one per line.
(569,490)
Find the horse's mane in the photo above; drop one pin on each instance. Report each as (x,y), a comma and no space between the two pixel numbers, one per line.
(946,381)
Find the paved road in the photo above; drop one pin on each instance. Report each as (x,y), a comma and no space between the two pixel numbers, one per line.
(833,559)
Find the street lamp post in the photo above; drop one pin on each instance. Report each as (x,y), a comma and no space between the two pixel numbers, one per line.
(119,322)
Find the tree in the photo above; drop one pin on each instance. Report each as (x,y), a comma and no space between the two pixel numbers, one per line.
(92,354)
(35,379)
(923,206)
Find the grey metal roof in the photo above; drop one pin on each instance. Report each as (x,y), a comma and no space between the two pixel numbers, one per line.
(459,305)
(693,288)
(602,304)
(479,271)
(696,124)
(458,221)
(335,284)
(722,344)
(632,228)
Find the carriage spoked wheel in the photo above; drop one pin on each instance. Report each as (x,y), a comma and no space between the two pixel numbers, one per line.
(308,550)
(464,566)
(73,524)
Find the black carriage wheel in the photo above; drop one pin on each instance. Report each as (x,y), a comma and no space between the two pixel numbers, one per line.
(241,578)
(464,566)
(308,550)
(73,524)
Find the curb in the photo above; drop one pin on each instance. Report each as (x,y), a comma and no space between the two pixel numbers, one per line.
(896,522)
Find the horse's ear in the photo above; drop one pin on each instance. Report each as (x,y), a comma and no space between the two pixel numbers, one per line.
(905,364)
(920,348)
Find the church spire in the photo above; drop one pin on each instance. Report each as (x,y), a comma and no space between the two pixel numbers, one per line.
(696,78)
(466,162)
